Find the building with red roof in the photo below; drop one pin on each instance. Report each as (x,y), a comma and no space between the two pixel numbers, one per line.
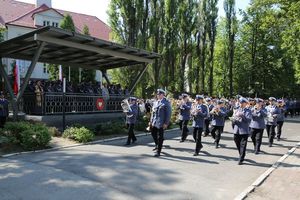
(19,18)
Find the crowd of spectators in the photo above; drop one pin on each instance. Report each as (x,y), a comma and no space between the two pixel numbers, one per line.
(88,88)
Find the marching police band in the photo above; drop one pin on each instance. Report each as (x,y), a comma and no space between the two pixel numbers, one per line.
(249,119)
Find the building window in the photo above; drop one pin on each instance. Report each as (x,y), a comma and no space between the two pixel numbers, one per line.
(46,23)
(55,24)
(45,69)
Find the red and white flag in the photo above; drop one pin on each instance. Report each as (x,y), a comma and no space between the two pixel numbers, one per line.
(17,77)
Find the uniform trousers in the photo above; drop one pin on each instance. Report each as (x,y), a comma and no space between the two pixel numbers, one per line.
(184,130)
(158,137)
(206,123)
(271,133)
(241,145)
(279,129)
(256,136)
(131,136)
(216,133)
(197,133)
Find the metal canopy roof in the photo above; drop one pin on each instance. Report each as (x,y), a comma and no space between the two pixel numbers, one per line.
(73,49)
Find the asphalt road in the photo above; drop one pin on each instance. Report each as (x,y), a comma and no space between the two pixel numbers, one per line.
(113,171)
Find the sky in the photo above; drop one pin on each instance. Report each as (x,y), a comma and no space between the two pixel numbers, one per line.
(98,7)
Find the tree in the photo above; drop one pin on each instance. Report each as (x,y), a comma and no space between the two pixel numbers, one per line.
(229,7)
(212,32)
(86,30)
(68,24)
(187,26)
(87,74)
(2,30)
(202,44)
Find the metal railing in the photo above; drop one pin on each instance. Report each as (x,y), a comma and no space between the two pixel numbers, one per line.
(52,103)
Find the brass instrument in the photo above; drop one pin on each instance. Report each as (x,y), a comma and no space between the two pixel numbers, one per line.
(215,111)
(126,106)
(257,107)
(196,108)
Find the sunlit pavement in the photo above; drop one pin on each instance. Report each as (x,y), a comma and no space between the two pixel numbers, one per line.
(113,171)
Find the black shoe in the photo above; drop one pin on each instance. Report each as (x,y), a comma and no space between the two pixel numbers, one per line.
(181,141)
(196,154)
(270,144)
(157,155)
(278,139)
(154,149)
(217,145)
(127,143)
(256,152)
(240,162)
(205,135)
(134,141)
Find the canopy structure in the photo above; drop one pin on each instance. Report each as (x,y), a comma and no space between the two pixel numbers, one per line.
(57,46)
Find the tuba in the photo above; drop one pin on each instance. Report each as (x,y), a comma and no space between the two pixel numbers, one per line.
(126,106)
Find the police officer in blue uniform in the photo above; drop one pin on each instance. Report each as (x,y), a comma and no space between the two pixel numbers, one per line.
(131,118)
(280,117)
(272,114)
(241,119)
(3,110)
(218,115)
(258,124)
(160,119)
(184,108)
(207,120)
(199,113)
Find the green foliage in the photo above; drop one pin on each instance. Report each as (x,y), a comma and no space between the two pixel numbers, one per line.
(67,23)
(37,137)
(28,136)
(88,75)
(53,72)
(4,140)
(199,54)
(2,30)
(86,30)
(81,134)
(142,123)
(109,128)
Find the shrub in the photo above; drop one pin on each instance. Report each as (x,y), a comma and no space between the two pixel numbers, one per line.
(28,136)
(4,140)
(13,130)
(37,137)
(142,124)
(109,128)
(79,134)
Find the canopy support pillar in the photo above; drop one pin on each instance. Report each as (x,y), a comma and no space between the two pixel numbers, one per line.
(10,90)
(137,79)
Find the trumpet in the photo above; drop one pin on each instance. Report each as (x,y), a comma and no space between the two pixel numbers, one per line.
(257,107)
(215,111)
(196,108)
